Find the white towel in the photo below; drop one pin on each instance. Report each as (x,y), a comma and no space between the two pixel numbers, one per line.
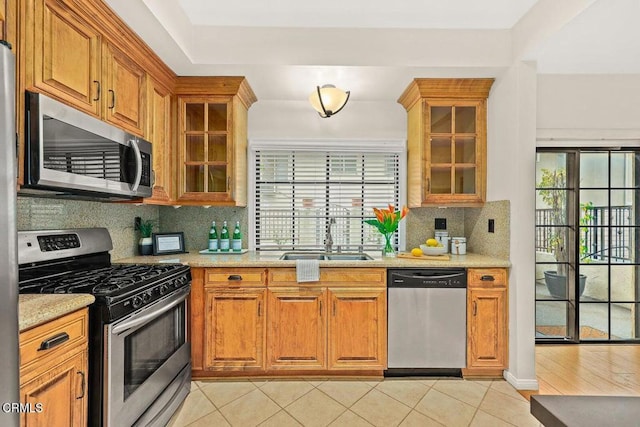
(307,270)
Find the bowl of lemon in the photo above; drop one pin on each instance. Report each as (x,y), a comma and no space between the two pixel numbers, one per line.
(433,247)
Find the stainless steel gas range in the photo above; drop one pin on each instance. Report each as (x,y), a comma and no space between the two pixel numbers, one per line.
(139,356)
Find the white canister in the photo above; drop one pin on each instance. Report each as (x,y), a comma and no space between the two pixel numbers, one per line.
(459,245)
(443,238)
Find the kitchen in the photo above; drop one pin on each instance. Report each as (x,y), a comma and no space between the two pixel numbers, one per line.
(524,105)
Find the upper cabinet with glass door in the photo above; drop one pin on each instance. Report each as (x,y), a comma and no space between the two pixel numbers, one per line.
(212,140)
(447,141)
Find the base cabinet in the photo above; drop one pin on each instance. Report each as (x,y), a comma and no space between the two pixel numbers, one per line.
(297,328)
(53,372)
(357,328)
(234,328)
(487,325)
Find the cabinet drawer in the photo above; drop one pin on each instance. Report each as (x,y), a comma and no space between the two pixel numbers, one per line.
(236,277)
(53,338)
(487,277)
(361,277)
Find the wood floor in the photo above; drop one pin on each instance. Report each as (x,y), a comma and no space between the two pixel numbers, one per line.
(588,369)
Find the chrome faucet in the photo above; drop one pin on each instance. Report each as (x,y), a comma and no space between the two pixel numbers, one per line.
(328,240)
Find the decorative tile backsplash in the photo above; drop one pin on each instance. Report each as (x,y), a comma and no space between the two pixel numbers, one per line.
(50,214)
(194,222)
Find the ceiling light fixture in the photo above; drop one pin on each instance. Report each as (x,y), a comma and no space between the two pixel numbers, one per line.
(328,100)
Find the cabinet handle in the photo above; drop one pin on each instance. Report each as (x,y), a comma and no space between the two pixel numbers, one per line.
(113,99)
(320,308)
(487,278)
(475,308)
(235,278)
(83,384)
(98,88)
(228,183)
(334,309)
(54,341)
(259,309)
(428,185)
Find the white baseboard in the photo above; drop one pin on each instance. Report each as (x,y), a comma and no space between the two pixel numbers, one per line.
(521,384)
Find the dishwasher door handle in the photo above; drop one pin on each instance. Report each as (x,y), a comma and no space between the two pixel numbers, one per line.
(428,276)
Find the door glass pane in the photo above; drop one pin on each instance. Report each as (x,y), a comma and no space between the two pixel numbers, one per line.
(465,180)
(194,178)
(594,321)
(217,149)
(465,150)
(551,319)
(441,180)
(623,325)
(594,282)
(217,117)
(217,178)
(624,283)
(441,119)
(594,170)
(465,119)
(624,170)
(194,148)
(194,117)
(440,150)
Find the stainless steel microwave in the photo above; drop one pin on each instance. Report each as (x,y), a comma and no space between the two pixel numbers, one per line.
(70,153)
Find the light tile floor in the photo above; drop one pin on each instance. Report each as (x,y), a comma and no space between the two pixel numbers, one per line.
(390,402)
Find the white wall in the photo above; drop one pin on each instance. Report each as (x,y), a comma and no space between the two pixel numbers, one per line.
(297,119)
(589,106)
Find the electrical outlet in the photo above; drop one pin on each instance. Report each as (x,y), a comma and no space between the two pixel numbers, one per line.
(441,224)
(136,223)
(492,226)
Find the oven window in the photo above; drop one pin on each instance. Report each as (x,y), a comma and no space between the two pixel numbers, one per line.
(150,346)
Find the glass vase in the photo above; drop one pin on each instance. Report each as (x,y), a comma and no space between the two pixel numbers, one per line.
(387,249)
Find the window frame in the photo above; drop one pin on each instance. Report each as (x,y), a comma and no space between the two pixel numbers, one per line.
(398,146)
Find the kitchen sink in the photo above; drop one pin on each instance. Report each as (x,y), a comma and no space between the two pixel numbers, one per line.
(324,256)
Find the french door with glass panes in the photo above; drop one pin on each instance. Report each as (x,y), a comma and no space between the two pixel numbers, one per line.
(587,278)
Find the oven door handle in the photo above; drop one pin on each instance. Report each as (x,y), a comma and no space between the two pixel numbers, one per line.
(145,316)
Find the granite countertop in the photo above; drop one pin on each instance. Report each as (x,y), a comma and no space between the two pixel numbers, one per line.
(271,259)
(586,411)
(35,309)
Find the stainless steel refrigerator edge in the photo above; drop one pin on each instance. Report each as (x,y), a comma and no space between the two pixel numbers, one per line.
(9,355)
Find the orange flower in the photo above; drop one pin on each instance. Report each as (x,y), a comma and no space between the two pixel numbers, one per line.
(387,220)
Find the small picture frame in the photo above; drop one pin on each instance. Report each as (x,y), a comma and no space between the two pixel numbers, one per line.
(168,243)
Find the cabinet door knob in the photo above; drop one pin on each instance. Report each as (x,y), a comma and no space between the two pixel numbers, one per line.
(487,278)
(234,278)
(113,99)
(54,341)
(83,384)
(98,88)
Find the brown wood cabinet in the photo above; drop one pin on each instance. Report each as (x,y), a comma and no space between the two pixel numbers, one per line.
(228,320)
(53,378)
(72,75)
(124,81)
(158,133)
(297,331)
(487,326)
(3,18)
(446,141)
(357,328)
(212,140)
(337,323)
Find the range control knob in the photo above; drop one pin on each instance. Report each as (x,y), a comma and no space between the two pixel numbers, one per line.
(163,289)
(137,302)
(146,297)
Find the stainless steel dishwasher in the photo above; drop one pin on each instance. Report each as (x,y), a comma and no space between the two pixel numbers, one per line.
(427,321)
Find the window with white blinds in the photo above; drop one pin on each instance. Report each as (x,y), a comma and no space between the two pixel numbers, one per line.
(298,193)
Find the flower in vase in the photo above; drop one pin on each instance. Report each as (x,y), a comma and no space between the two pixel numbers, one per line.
(387,221)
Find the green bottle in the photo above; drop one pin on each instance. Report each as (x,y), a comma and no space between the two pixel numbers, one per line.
(213,237)
(224,237)
(236,240)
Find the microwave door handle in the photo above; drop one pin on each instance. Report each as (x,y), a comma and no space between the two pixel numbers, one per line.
(136,183)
